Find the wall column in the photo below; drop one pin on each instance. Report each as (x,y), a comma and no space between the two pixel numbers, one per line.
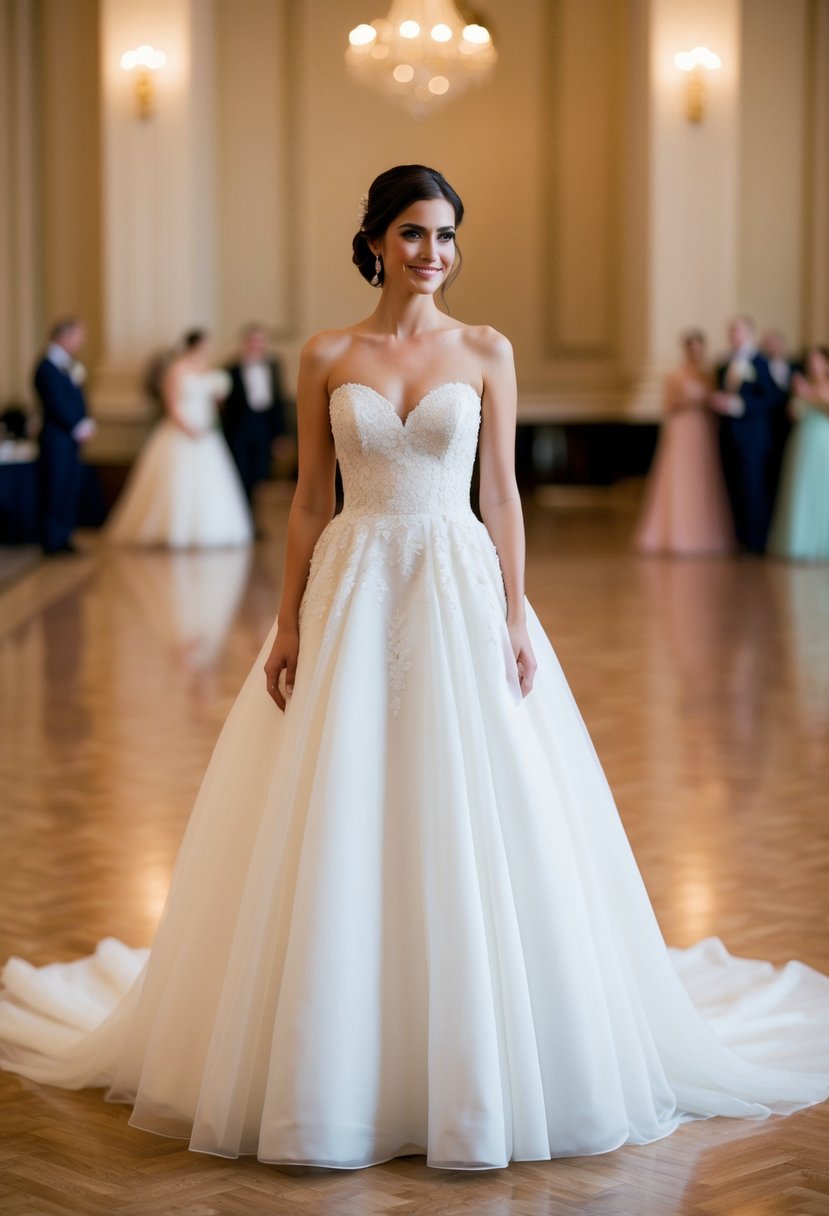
(18,279)
(816,227)
(159,231)
(683,210)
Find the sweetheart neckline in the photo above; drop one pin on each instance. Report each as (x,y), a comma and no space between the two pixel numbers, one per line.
(403,419)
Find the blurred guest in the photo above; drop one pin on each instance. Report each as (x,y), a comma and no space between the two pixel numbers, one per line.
(253,414)
(781,369)
(686,505)
(184,491)
(58,381)
(746,399)
(801,514)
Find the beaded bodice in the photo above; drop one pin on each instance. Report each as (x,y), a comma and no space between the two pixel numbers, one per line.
(422,465)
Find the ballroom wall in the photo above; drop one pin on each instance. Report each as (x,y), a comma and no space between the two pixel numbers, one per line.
(599,221)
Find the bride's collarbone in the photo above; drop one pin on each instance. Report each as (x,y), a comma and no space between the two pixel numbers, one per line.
(405,390)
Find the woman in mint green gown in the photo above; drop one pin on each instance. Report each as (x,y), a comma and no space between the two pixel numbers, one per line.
(800,528)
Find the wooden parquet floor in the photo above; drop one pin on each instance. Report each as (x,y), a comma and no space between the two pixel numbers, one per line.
(705,685)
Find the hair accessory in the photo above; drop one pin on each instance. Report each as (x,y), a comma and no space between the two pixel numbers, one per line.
(361,213)
(378,266)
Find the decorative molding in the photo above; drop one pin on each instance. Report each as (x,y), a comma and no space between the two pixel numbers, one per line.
(19,214)
(639,401)
(257,187)
(554,345)
(289,75)
(814,282)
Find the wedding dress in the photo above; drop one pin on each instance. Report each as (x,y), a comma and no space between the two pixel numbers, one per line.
(184,491)
(405,917)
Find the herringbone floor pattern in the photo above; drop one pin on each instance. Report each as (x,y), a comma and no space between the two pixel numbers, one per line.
(705,685)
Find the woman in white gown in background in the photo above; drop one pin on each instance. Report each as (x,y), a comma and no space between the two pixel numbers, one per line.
(185,491)
(405,917)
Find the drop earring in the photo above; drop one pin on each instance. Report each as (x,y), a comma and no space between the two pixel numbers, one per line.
(378,266)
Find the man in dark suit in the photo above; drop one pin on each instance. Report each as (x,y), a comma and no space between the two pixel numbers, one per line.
(65,426)
(746,400)
(254,412)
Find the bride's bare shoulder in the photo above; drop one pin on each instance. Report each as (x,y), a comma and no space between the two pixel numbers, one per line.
(327,346)
(487,343)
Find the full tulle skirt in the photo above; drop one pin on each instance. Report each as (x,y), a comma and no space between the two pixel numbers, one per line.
(406,917)
(686,509)
(184,492)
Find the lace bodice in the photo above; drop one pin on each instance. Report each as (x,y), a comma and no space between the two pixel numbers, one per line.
(197,398)
(420,466)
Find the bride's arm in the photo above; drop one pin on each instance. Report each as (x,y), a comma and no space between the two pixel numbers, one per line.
(499,499)
(311,509)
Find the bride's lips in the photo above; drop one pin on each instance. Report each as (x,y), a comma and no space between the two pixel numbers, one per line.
(426,272)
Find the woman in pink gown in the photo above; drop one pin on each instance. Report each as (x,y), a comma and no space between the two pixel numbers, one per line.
(686,508)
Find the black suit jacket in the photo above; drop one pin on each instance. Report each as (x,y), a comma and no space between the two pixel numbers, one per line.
(236,411)
(62,401)
(760,396)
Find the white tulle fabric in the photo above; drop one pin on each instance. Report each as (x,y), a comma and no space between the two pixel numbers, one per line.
(184,491)
(405,916)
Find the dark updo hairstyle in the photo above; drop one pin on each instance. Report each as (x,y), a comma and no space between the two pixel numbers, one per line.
(194,338)
(392,193)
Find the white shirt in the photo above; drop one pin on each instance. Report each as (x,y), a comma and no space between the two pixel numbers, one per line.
(743,354)
(738,367)
(257,381)
(781,372)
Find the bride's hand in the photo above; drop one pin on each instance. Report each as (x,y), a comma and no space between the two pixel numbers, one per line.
(283,657)
(524,656)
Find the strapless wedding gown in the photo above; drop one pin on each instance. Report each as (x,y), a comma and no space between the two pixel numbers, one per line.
(405,917)
(185,491)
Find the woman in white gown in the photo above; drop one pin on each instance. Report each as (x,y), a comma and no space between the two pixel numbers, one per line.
(184,491)
(405,917)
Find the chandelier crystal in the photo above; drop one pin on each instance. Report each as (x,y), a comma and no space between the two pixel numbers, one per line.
(422,54)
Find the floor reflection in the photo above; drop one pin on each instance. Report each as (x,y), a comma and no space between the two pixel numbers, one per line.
(66,718)
(189,599)
(721,652)
(803,594)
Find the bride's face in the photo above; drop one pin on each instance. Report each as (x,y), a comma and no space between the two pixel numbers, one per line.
(418,248)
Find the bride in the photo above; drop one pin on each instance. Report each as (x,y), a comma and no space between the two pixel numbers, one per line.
(405,917)
(184,491)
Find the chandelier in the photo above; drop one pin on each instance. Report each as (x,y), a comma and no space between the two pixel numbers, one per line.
(422,54)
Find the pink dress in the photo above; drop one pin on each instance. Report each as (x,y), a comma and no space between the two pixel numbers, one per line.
(686,508)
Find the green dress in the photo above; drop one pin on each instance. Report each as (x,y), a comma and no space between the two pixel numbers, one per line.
(800,528)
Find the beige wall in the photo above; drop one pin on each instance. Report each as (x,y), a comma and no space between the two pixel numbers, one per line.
(19,277)
(816,206)
(598,221)
(773,161)
(68,205)
(256,186)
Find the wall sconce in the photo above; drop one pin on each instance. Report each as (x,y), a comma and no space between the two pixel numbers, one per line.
(695,63)
(143,60)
